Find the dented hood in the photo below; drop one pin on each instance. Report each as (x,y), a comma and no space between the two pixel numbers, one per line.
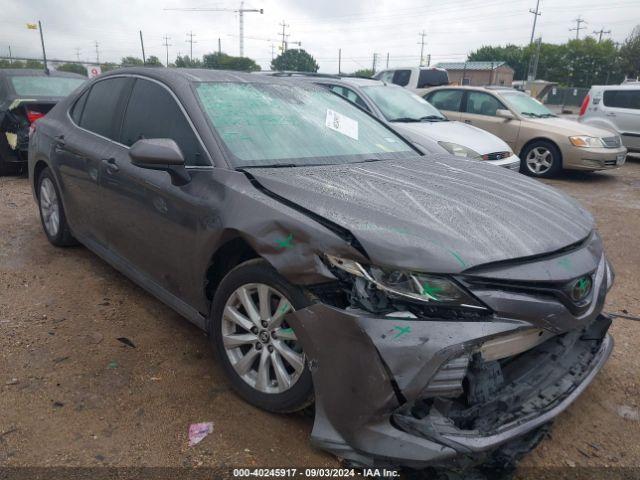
(438,213)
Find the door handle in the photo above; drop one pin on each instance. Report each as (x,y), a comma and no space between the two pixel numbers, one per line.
(610,114)
(59,141)
(467,121)
(112,166)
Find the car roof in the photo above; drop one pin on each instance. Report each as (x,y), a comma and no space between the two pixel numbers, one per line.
(487,88)
(32,72)
(623,86)
(348,80)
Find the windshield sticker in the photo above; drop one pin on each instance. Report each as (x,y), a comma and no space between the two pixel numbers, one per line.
(342,124)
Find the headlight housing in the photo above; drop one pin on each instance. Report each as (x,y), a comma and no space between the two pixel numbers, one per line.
(459,150)
(586,141)
(435,290)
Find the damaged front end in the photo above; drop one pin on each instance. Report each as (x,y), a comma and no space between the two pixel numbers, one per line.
(418,370)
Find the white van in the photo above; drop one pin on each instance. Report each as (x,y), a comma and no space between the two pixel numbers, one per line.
(615,108)
(416,79)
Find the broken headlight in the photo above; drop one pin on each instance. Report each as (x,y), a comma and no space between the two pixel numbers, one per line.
(437,290)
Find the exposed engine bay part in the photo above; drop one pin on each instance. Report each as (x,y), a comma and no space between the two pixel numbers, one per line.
(377,400)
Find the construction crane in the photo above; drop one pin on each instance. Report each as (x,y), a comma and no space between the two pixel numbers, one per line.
(240,11)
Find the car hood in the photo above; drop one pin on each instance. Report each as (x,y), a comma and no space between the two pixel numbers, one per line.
(437,213)
(569,127)
(468,136)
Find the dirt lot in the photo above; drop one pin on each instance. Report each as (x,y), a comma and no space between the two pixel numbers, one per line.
(72,394)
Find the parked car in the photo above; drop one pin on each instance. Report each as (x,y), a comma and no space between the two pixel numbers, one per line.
(417,120)
(615,108)
(435,315)
(25,96)
(416,79)
(545,143)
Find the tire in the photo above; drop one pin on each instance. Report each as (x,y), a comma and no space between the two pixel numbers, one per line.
(52,216)
(249,347)
(543,156)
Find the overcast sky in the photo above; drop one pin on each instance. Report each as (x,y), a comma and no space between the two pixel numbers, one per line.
(359,27)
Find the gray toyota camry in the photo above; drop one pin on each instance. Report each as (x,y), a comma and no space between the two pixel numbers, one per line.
(430,309)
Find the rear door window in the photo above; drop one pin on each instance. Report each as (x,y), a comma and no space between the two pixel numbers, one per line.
(622,99)
(480,103)
(402,77)
(449,100)
(78,107)
(349,95)
(102,113)
(152,112)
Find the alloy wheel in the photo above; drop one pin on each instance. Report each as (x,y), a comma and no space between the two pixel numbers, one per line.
(539,160)
(49,207)
(260,345)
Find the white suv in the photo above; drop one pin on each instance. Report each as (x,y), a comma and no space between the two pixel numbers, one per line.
(615,108)
(416,79)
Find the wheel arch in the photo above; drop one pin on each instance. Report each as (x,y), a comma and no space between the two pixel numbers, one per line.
(39,166)
(228,255)
(541,139)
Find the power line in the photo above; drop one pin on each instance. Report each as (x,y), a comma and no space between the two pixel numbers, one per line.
(536,14)
(579,21)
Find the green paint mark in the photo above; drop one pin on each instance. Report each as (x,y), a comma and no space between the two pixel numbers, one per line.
(285,243)
(283,309)
(458,258)
(583,286)
(402,330)
(430,291)
(565,263)
(286,330)
(112,365)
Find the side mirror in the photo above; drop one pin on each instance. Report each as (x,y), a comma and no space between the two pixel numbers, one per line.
(506,114)
(160,154)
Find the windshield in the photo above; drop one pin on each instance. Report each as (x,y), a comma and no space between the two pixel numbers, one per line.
(45,86)
(525,105)
(400,105)
(265,124)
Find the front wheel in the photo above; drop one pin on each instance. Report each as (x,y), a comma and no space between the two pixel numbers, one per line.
(259,351)
(541,159)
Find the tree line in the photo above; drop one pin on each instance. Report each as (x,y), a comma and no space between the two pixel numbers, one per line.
(577,63)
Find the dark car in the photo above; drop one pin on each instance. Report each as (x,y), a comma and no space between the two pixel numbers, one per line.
(434,314)
(26,96)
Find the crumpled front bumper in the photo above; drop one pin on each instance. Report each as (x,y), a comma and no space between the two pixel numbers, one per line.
(368,369)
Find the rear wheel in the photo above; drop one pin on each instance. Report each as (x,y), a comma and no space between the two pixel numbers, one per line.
(541,159)
(259,351)
(54,221)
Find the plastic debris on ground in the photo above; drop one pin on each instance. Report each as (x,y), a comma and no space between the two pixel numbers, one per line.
(198,431)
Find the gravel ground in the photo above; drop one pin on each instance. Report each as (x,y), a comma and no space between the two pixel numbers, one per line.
(72,394)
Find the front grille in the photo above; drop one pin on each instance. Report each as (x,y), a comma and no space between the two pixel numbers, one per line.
(496,156)
(610,163)
(612,142)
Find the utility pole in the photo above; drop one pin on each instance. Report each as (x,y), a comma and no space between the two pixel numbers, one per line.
(97,45)
(579,21)
(166,44)
(144,58)
(10,56)
(44,53)
(78,53)
(428,59)
(601,32)
(240,11)
(533,65)
(219,46)
(191,42)
(536,14)
(339,61)
(284,36)
(421,42)
(387,67)
(373,65)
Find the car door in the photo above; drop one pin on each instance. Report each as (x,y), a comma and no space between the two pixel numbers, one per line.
(153,224)
(448,101)
(78,152)
(479,109)
(622,108)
